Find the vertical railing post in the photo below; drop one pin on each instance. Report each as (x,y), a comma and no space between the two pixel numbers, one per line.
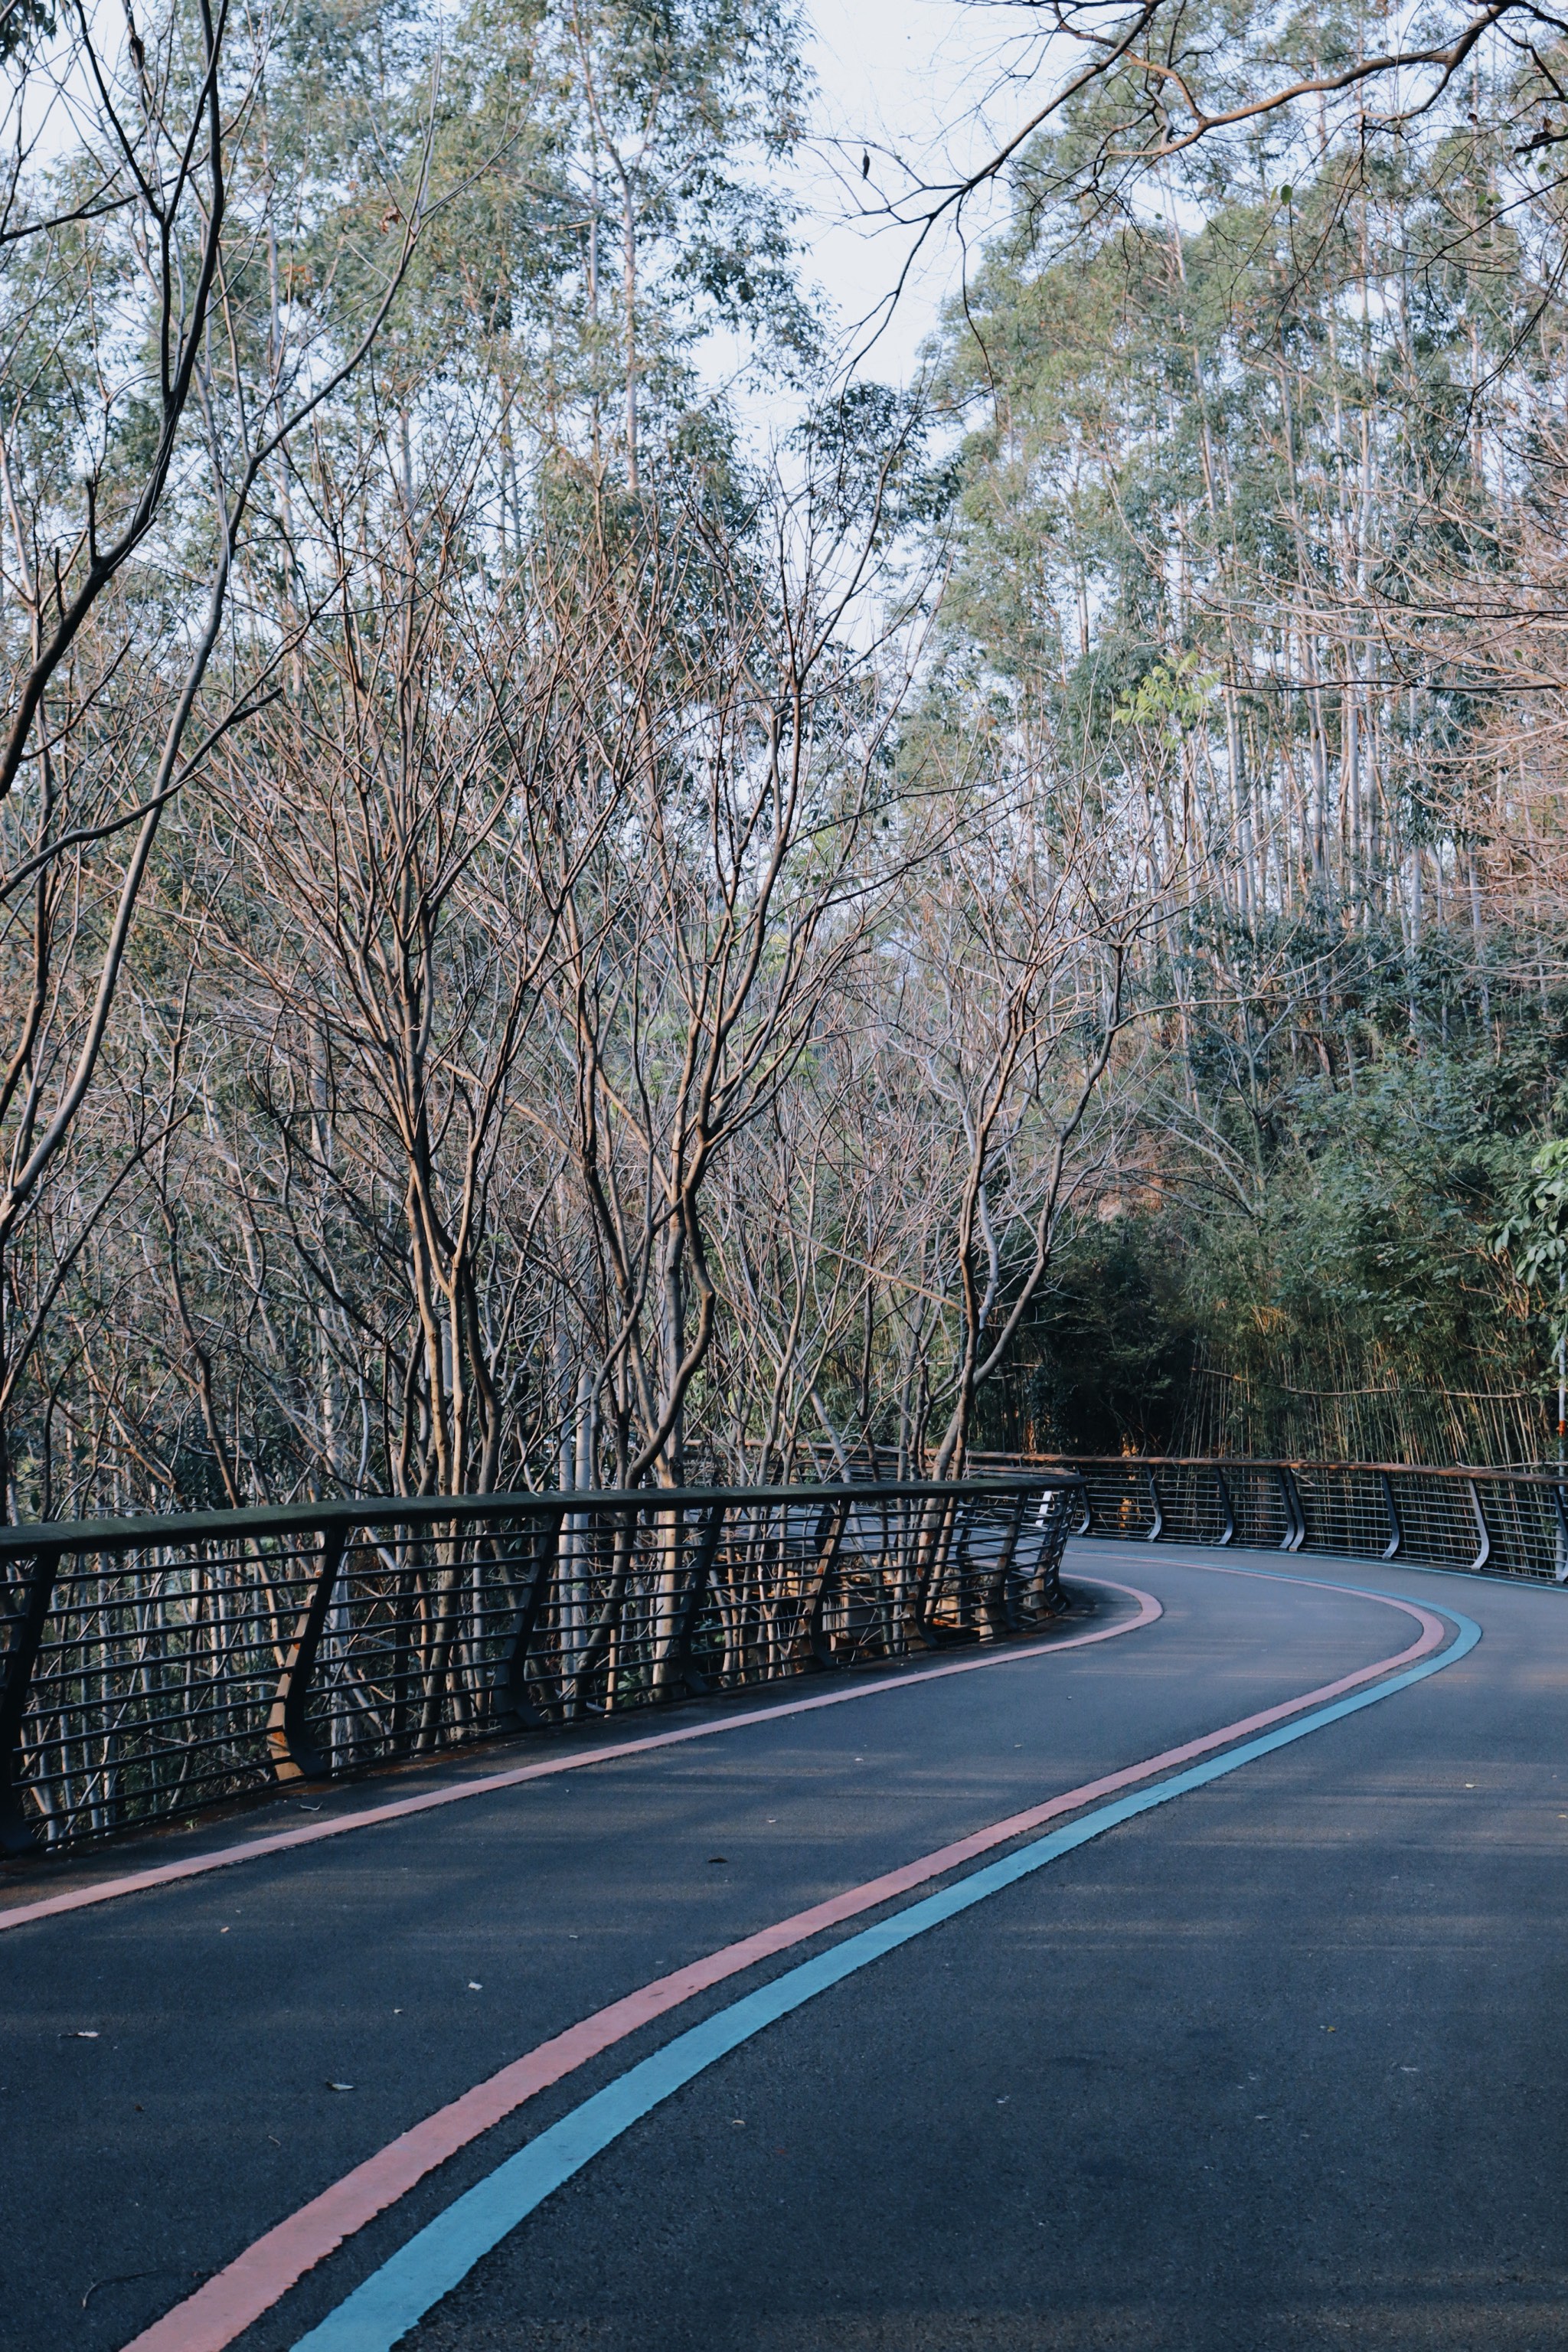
(999,1617)
(830,1528)
(1295,1516)
(18,1833)
(1391,1549)
(938,1526)
(1049,1567)
(666,1608)
(602,1644)
(1560,1571)
(295,1756)
(512,1675)
(1288,1543)
(1228,1534)
(695,1682)
(1482,1530)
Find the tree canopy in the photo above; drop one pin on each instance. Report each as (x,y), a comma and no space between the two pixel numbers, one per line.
(553,935)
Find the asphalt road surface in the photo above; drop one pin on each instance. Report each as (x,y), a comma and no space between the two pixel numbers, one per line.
(1278,2061)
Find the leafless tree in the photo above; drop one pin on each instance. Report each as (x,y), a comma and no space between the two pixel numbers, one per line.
(128,308)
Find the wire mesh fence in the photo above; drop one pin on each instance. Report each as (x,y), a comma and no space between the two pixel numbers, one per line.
(152,1666)
(149,1667)
(1497,1522)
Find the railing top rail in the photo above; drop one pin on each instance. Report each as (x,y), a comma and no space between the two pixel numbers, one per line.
(27,1540)
(1537,1478)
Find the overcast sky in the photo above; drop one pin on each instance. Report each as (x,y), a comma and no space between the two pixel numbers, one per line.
(898,76)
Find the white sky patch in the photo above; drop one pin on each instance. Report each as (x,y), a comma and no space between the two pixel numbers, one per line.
(899,81)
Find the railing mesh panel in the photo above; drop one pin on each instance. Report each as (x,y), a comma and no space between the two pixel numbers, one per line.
(1437,1518)
(1262,1513)
(1341,1510)
(1503,1523)
(1192,1508)
(146,1672)
(414,1638)
(154,1680)
(165,1674)
(1527,1529)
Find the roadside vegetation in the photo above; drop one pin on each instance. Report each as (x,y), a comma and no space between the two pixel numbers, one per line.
(552,934)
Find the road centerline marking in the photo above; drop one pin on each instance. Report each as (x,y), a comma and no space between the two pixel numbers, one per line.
(264,2272)
(399,2294)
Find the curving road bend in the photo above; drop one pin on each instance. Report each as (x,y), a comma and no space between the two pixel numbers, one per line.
(1054,2001)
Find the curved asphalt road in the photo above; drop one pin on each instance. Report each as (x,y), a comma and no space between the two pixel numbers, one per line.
(1281,2063)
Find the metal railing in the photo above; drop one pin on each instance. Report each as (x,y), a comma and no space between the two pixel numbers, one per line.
(1499,1522)
(154,1665)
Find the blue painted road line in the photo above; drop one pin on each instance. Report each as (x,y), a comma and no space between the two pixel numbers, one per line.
(395,2297)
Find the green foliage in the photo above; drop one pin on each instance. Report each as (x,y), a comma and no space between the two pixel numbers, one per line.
(1232,455)
(1534,1237)
(23,21)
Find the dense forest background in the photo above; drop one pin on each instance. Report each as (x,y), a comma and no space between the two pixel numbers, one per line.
(591,895)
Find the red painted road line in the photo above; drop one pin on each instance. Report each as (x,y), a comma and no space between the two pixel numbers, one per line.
(283,1840)
(238,2295)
